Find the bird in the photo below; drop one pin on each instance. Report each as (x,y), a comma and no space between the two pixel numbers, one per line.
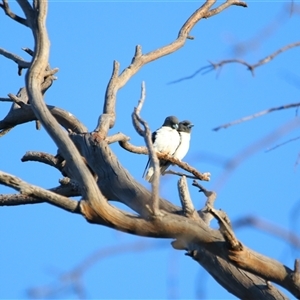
(166,140)
(184,130)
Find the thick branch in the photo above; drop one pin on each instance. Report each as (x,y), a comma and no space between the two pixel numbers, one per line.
(34,79)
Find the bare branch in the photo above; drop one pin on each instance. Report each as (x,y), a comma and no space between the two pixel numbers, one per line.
(270,228)
(258,289)
(5,131)
(132,148)
(16,100)
(5,99)
(67,189)
(34,79)
(94,169)
(23,64)
(284,15)
(17,116)
(13,16)
(225,5)
(296,274)
(40,193)
(252,67)
(139,60)
(256,115)
(185,199)
(28,51)
(233,163)
(118,137)
(135,119)
(204,213)
(29,12)
(73,278)
(43,157)
(152,154)
(179,174)
(283,143)
(225,229)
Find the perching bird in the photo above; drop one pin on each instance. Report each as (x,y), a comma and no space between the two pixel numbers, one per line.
(165,140)
(184,129)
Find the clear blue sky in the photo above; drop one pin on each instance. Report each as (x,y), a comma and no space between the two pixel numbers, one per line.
(40,242)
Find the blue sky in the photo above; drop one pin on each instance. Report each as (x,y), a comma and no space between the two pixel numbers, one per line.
(41,242)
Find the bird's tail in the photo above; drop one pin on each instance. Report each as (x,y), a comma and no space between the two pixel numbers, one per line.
(164,165)
(149,174)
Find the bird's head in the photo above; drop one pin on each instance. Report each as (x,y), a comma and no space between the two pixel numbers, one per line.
(185,126)
(172,122)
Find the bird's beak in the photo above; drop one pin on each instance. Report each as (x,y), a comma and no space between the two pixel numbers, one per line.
(191,125)
(175,126)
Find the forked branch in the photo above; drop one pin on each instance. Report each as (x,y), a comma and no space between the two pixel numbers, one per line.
(252,67)
(139,60)
(4,5)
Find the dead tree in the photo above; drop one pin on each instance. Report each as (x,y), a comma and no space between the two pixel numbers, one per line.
(93,171)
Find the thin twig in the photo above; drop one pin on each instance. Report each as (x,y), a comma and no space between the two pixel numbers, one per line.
(256,115)
(74,278)
(179,174)
(284,143)
(251,67)
(5,99)
(233,163)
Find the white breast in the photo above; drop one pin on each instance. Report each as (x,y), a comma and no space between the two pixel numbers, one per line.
(166,140)
(184,145)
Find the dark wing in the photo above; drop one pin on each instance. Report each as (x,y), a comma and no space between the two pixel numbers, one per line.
(153,137)
(147,165)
